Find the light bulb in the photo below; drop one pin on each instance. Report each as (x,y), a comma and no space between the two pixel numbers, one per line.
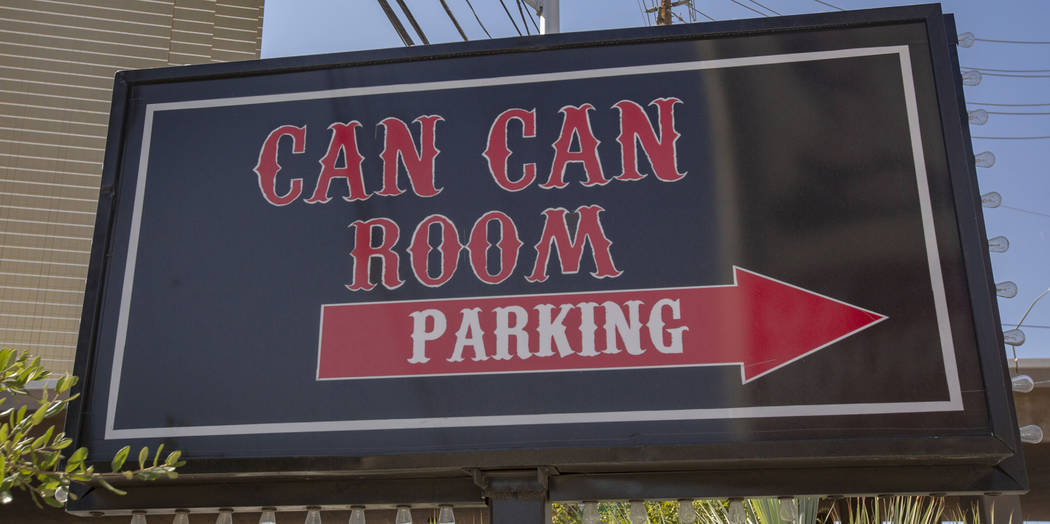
(1006,289)
(985,159)
(736,513)
(1031,434)
(446,515)
(6,497)
(404,515)
(182,516)
(138,517)
(998,244)
(638,512)
(966,39)
(788,509)
(971,78)
(1013,337)
(313,515)
(269,516)
(1022,384)
(992,199)
(590,512)
(978,117)
(61,494)
(225,516)
(357,515)
(686,513)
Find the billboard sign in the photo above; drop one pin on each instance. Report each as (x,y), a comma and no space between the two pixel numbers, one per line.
(697,237)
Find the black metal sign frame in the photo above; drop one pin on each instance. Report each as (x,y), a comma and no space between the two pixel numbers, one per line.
(980,452)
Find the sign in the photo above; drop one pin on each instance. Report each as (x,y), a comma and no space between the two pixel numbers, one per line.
(685,239)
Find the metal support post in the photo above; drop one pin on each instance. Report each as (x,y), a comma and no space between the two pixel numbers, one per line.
(516,496)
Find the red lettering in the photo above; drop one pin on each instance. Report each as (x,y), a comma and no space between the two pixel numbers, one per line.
(419,164)
(635,127)
(575,122)
(570,252)
(508,245)
(267,167)
(364,251)
(344,138)
(497,152)
(420,249)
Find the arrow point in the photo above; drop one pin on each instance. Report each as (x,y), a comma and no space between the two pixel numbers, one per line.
(788,322)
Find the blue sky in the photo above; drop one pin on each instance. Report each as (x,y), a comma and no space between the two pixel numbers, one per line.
(1020,173)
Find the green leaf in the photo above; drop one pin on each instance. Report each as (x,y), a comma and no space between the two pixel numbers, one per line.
(119,458)
(38,415)
(78,456)
(143,457)
(110,487)
(173,458)
(156,457)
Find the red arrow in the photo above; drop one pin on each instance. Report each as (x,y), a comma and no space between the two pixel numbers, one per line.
(759,323)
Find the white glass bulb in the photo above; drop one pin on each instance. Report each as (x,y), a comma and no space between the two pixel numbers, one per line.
(998,244)
(638,515)
(1031,434)
(1006,289)
(357,515)
(985,159)
(978,117)
(269,516)
(1013,337)
(971,78)
(686,513)
(966,39)
(313,515)
(138,517)
(1022,384)
(788,509)
(736,513)
(181,517)
(446,515)
(590,513)
(404,515)
(225,517)
(991,199)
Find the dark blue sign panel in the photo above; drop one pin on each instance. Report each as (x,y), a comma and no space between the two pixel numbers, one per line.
(731,239)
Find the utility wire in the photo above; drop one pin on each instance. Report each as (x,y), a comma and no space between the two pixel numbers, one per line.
(741,4)
(412,20)
(1015,113)
(1005,41)
(695,10)
(400,29)
(511,17)
(531,18)
(1006,105)
(1008,70)
(1026,210)
(1040,326)
(521,13)
(1012,137)
(478,18)
(454,21)
(1013,75)
(829,5)
(765,7)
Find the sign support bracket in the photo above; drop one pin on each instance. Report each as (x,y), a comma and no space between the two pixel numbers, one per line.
(516,496)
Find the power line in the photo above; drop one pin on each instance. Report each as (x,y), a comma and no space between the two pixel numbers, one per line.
(1006,105)
(400,29)
(1010,75)
(412,20)
(511,17)
(454,21)
(1012,137)
(1040,326)
(478,18)
(1008,70)
(1026,42)
(695,10)
(741,4)
(1026,210)
(531,18)
(829,5)
(521,13)
(1015,113)
(765,7)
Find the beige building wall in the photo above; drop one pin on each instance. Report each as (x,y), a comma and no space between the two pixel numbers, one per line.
(57,61)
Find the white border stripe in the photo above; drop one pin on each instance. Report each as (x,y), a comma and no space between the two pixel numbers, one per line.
(954,402)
